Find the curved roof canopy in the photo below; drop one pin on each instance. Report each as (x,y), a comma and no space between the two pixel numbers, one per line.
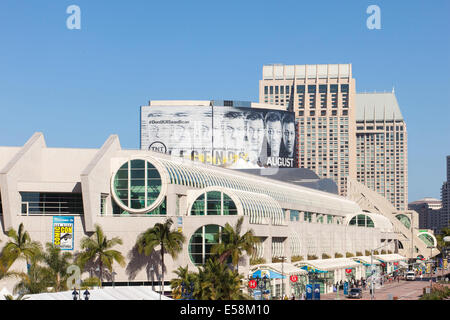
(285,269)
(329,264)
(390,257)
(199,175)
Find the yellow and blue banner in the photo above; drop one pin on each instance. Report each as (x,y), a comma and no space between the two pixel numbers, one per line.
(62,232)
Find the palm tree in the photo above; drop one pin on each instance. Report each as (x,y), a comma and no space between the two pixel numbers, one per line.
(445,232)
(20,246)
(19,297)
(97,249)
(230,243)
(218,282)
(57,263)
(169,241)
(186,280)
(34,281)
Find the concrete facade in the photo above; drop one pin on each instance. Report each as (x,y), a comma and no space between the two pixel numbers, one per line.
(290,220)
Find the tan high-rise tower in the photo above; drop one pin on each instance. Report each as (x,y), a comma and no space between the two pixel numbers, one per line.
(382,147)
(322,97)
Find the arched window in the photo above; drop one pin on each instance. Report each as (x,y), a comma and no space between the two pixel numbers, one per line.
(404,219)
(213,203)
(427,239)
(362,220)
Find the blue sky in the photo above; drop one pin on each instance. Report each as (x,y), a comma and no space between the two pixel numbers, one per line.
(80,86)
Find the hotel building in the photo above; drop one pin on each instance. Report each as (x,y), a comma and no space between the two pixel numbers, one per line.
(342,133)
(382,147)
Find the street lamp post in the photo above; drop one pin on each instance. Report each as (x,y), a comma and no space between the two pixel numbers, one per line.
(113,277)
(371,269)
(86,295)
(282,276)
(75,294)
(431,267)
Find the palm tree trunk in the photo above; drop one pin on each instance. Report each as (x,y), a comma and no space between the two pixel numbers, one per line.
(101,273)
(162,268)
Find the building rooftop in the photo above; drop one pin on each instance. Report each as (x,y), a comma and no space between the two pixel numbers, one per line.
(377,106)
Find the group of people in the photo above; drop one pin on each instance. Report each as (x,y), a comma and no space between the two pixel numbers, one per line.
(233,137)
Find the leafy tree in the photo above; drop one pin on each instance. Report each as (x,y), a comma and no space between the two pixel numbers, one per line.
(57,263)
(230,243)
(170,242)
(20,246)
(98,249)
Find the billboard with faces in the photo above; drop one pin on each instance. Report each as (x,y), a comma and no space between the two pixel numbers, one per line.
(225,136)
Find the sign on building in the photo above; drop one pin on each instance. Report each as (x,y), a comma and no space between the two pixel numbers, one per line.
(62,232)
(230,137)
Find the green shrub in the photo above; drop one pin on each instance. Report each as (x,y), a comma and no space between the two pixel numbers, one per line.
(325,256)
(338,255)
(296,258)
(358,253)
(348,254)
(312,257)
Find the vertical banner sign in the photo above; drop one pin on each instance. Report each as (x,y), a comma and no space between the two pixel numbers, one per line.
(180,224)
(309,292)
(345,288)
(257,294)
(62,232)
(317,291)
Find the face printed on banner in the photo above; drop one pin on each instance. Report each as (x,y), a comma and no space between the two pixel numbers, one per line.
(289,137)
(255,135)
(202,136)
(274,133)
(234,131)
(157,131)
(180,142)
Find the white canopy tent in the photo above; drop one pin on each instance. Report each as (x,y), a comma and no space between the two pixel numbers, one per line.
(366,260)
(329,264)
(3,293)
(390,257)
(108,293)
(286,268)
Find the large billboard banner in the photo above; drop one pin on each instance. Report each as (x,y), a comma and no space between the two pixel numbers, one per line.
(62,232)
(225,136)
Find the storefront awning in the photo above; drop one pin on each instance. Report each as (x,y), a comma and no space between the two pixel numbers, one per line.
(312,269)
(365,260)
(275,270)
(390,257)
(329,264)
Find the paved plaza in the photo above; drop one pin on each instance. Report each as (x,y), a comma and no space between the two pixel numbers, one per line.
(403,290)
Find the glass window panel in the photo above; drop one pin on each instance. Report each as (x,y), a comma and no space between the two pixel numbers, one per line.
(137,164)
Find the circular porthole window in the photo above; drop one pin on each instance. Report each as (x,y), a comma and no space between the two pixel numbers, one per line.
(201,243)
(137,186)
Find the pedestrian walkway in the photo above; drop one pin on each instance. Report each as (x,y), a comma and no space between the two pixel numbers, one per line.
(403,290)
